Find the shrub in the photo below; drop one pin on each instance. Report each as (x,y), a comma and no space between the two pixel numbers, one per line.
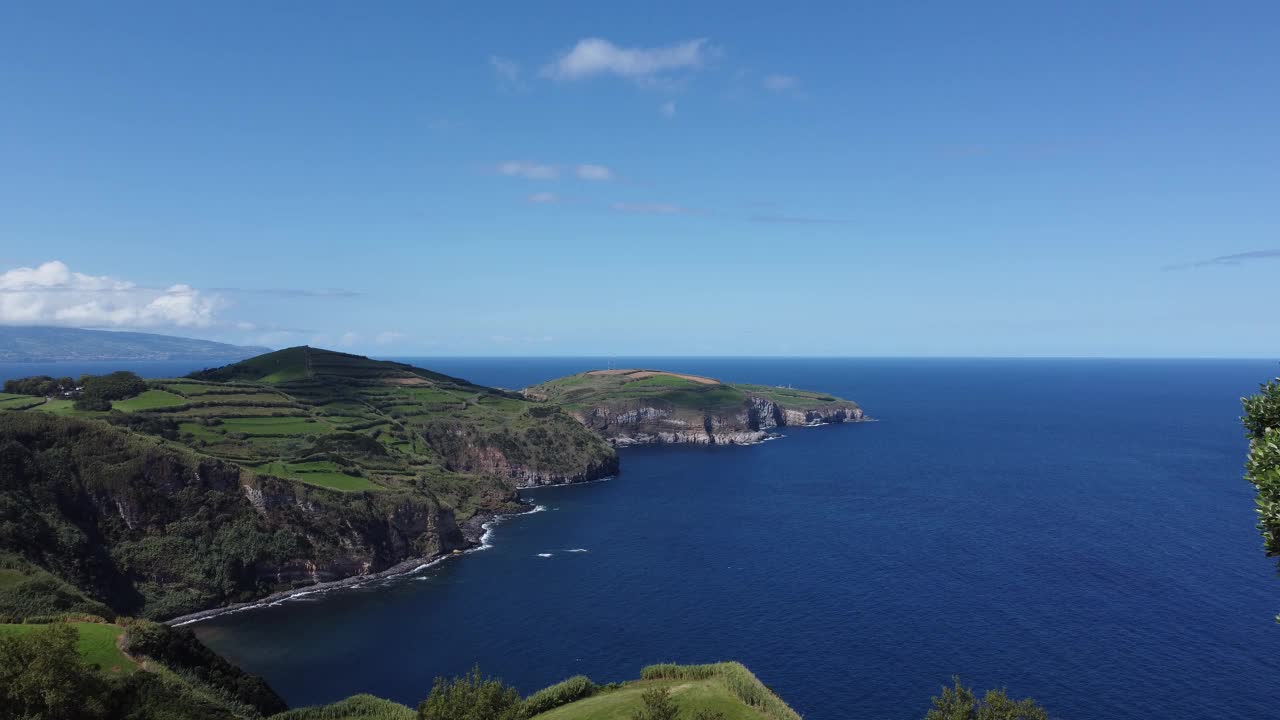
(470,697)
(736,678)
(562,693)
(356,707)
(656,705)
(959,703)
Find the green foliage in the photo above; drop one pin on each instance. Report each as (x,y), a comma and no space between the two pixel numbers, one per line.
(959,703)
(42,677)
(740,681)
(148,530)
(471,697)
(39,385)
(27,591)
(180,651)
(1262,423)
(562,693)
(356,707)
(656,704)
(119,385)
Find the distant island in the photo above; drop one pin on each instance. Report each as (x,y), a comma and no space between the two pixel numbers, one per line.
(59,344)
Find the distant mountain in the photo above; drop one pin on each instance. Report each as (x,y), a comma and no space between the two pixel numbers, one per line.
(42,344)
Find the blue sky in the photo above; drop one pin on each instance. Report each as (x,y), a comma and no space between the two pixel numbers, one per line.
(1095,179)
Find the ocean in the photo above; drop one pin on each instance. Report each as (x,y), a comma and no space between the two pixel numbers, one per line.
(1074,530)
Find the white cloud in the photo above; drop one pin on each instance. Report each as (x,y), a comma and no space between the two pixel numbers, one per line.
(779,83)
(544,198)
(668,109)
(52,294)
(594,172)
(529,170)
(596,56)
(507,72)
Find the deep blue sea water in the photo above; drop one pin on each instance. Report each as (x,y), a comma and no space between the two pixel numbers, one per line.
(1075,530)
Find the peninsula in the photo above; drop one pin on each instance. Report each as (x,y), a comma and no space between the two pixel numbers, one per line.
(629,407)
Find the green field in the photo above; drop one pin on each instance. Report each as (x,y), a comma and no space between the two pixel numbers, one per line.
(149,400)
(62,407)
(9,401)
(97,645)
(398,427)
(690,695)
(275,426)
(323,474)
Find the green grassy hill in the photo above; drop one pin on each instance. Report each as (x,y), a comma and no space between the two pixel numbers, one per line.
(271,474)
(349,423)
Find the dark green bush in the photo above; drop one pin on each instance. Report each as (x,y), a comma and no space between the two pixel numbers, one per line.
(470,697)
(959,703)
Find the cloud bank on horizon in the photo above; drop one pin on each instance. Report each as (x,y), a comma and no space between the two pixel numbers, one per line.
(52,294)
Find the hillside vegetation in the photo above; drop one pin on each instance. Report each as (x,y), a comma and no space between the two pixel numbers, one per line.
(295,467)
(93,670)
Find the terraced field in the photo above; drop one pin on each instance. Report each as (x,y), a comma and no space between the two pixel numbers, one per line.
(348,423)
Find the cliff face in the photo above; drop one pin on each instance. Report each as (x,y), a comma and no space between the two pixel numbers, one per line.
(158,532)
(653,421)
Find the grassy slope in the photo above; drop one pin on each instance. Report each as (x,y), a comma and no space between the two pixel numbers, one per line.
(690,695)
(728,688)
(98,645)
(629,387)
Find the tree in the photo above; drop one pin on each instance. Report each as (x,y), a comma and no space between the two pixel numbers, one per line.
(1262,425)
(470,697)
(959,703)
(657,705)
(42,677)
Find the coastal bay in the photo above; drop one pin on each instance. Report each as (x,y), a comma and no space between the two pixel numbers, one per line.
(1043,525)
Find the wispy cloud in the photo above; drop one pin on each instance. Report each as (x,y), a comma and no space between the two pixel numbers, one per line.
(593,172)
(1233,259)
(387,337)
(668,109)
(543,198)
(778,82)
(507,72)
(655,209)
(528,170)
(291,292)
(794,220)
(592,57)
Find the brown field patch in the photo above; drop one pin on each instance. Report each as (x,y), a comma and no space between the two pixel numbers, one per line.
(408,381)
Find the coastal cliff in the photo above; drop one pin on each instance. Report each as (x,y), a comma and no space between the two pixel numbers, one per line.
(635,407)
(304,467)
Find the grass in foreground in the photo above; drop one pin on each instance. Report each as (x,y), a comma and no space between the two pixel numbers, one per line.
(97,645)
(690,696)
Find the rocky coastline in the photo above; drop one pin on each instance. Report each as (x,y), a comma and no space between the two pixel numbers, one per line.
(652,424)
